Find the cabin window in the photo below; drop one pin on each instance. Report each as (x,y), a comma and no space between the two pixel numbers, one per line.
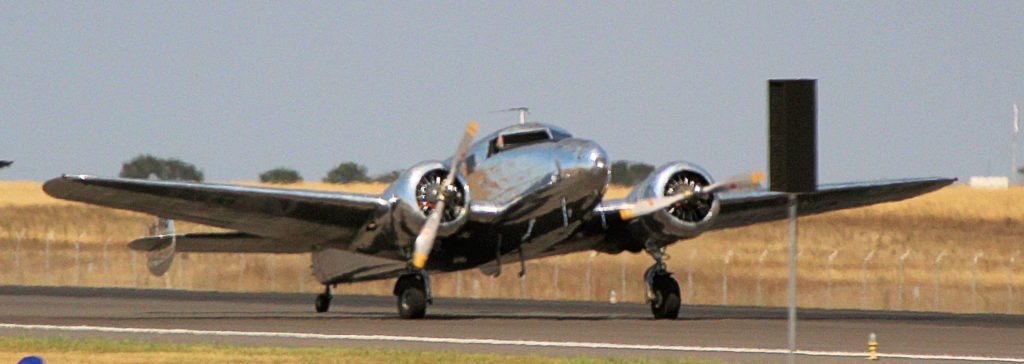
(514,140)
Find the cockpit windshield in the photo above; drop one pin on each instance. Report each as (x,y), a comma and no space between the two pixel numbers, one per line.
(522,135)
(518,138)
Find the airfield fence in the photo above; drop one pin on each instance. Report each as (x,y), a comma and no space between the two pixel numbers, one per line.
(875,280)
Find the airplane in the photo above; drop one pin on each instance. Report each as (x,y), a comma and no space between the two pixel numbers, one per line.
(526,191)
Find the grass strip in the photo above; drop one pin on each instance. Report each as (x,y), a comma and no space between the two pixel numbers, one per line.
(80,350)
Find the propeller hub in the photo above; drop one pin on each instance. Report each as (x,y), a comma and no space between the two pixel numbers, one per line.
(696,205)
(429,193)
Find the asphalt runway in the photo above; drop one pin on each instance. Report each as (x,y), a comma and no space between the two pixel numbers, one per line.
(518,327)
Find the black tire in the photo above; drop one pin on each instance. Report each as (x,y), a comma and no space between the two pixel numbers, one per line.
(323,302)
(666,298)
(412,302)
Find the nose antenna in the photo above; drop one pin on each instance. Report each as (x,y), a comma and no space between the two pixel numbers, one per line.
(522,113)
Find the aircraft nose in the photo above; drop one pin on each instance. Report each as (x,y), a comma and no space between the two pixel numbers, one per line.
(586,162)
(596,158)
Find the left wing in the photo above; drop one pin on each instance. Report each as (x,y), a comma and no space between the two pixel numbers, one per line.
(232,242)
(275,219)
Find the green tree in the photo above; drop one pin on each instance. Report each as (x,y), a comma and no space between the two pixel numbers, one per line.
(347,172)
(387,177)
(628,173)
(280,175)
(146,165)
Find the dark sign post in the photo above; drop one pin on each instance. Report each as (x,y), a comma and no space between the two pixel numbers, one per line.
(792,159)
(792,133)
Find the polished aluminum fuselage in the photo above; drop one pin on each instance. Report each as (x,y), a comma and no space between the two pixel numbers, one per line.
(527,198)
(523,200)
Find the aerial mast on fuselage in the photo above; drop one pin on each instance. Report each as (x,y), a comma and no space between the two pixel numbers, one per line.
(522,113)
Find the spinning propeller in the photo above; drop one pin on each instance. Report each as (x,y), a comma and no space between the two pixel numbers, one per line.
(425,240)
(650,205)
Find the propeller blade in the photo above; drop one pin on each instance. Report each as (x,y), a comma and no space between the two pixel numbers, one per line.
(650,205)
(737,183)
(425,240)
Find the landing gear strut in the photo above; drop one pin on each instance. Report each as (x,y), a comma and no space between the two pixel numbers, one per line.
(662,289)
(413,292)
(323,300)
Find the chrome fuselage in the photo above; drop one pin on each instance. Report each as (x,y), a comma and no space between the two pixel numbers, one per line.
(529,187)
(526,196)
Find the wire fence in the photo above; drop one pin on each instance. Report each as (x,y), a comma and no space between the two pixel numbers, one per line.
(975,282)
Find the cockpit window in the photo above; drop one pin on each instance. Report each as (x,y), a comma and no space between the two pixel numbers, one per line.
(557,134)
(517,139)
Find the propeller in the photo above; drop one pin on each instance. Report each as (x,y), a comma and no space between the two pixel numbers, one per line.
(425,240)
(650,205)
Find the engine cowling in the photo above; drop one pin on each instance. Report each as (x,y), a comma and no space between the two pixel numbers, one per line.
(682,220)
(416,191)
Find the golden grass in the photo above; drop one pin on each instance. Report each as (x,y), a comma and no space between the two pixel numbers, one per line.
(87,351)
(26,193)
(960,221)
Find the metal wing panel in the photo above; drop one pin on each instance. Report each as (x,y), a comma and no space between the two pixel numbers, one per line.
(284,214)
(746,208)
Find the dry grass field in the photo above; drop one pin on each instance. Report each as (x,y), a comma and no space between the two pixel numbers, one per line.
(977,233)
(99,351)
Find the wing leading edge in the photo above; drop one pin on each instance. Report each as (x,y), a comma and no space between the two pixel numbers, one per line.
(293,220)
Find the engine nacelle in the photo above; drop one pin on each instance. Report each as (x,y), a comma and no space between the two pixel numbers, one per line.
(685,219)
(416,191)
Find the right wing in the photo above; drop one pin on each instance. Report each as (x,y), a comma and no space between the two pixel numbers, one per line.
(752,207)
(747,208)
(269,219)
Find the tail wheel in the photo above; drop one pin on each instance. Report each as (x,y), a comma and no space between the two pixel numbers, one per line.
(323,302)
(666,298)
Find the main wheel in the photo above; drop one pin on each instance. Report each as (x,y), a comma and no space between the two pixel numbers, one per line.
(412,302)
(666,297)
(323,302)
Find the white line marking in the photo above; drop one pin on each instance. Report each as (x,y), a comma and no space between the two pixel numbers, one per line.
(444,340)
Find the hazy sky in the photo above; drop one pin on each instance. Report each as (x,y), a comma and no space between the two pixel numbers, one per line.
(905,88)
